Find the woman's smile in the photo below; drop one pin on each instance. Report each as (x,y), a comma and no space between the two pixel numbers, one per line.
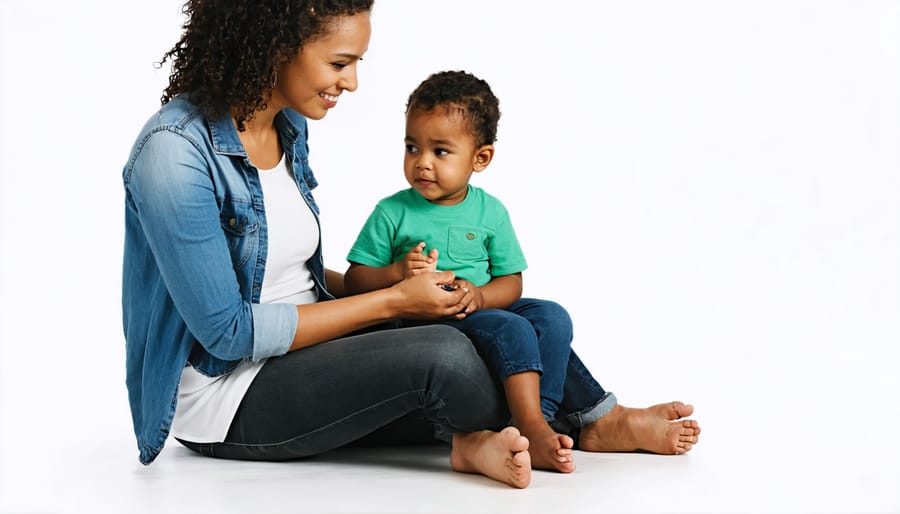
(330,100)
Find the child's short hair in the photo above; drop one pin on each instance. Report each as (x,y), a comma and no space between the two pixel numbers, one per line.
(471,95)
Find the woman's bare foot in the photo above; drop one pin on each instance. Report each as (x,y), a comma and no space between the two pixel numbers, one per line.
(656,429)
(548,449)
(500,455)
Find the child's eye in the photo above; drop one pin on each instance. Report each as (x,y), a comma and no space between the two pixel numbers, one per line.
(441,152)
(411,149)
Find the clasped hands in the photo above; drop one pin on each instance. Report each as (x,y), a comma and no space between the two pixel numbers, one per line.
(460,297)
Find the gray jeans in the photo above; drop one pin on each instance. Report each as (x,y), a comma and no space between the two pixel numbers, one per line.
(405,385)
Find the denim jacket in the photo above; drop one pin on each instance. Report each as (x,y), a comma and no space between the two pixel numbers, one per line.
(194,259)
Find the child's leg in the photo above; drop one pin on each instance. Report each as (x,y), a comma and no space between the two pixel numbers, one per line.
(548,449)
(509,345)
(553,329)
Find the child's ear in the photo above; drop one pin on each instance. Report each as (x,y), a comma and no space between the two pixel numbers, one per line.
(483,157)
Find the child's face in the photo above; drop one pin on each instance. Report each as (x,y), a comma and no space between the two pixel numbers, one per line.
(441,155)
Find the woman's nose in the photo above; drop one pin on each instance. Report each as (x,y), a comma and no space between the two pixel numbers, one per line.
(348,81)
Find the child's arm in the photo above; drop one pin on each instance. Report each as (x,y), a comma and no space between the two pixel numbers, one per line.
(499,293)
(362,279)
(334,282)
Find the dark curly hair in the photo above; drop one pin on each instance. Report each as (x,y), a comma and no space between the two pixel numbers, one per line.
(230,49)
(469,94)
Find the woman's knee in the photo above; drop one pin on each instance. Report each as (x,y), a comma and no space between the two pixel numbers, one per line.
(444,345)
(447,356)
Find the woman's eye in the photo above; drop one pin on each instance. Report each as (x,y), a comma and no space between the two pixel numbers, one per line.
(338,65)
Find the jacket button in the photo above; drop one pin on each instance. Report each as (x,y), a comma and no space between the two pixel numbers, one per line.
(232,222)
(470,236)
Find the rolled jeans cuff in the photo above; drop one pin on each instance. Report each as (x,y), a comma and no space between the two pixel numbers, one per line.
(591,414)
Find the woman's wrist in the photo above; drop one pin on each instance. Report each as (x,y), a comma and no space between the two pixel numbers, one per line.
(392,302)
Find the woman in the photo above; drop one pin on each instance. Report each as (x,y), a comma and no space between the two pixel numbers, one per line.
(225,296)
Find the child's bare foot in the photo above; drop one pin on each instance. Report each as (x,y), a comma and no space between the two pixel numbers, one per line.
(656,429)
(500,455)
(548,449)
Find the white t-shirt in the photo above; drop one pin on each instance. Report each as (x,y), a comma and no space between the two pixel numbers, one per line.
(206,405)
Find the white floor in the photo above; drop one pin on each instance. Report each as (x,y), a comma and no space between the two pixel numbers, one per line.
(763,452)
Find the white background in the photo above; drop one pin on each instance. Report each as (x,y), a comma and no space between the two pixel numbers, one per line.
(712,188)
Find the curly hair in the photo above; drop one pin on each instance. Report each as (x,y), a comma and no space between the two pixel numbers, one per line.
(229,50)
(469,94)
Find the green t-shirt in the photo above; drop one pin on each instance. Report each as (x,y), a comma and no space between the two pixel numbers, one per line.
(474,238)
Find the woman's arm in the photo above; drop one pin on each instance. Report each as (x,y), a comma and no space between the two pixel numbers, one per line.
(419,297)
(176,219)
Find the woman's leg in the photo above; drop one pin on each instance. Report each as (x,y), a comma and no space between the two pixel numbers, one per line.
(325,396)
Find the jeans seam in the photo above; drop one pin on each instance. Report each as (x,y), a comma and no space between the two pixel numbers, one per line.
(324,427)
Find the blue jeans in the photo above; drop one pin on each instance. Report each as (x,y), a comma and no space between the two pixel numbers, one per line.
(529,335)
(404,385)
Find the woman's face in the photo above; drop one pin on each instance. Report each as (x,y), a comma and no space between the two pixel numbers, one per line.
(325,67)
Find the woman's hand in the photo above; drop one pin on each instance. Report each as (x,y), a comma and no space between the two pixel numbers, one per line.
(419,297)
(424,298)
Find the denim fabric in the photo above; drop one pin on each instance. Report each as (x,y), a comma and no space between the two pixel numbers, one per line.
(529,335)
(584,400)
(395,386)
(326,396)
(194,258)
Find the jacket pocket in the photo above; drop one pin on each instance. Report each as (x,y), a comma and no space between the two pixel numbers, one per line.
(241,228)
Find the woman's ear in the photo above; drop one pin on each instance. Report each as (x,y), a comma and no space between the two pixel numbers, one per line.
(483,157)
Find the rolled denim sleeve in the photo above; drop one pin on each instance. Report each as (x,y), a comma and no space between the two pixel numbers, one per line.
(174,196)
(274,327)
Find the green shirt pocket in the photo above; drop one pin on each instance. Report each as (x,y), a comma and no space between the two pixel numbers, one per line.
(466,244)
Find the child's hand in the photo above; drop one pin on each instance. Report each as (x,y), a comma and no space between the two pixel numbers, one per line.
(416,262)
(473,299)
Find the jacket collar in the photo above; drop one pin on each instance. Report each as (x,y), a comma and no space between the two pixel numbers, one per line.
(225,138)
